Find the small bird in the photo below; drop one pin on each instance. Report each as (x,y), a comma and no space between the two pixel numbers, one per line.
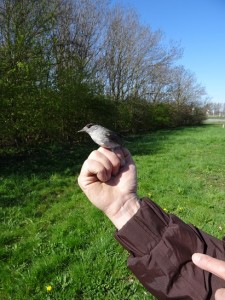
(103,136)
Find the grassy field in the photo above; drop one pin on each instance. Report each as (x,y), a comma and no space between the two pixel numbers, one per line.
(55,245)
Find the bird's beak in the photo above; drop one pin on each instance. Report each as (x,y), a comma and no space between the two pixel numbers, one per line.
(82,130)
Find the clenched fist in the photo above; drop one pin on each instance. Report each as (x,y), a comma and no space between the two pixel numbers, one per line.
(109,181)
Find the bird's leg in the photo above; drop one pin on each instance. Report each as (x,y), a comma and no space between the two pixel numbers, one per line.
(119,153)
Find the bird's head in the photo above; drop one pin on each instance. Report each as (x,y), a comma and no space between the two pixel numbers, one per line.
(89,128)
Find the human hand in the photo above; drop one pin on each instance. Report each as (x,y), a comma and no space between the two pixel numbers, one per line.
(109,181)
(214,266)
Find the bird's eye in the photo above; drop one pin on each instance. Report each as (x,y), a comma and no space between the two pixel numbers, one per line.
(89,125)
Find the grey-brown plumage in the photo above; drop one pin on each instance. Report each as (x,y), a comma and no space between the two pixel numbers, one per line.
(103,136)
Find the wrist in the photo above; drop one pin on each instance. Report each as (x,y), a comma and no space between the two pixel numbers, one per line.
(126,212)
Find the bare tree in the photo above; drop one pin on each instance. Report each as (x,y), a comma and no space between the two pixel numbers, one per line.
(184,88)
(78,36)
(134,56)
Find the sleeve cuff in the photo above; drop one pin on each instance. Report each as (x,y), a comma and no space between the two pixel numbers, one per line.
(144,230)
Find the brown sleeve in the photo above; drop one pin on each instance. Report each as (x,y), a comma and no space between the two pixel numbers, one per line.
(161,246)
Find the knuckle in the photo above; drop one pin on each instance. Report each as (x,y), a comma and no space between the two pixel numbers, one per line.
(93,154)
(79,180)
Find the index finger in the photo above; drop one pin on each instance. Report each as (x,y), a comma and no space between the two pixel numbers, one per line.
(117,152)
(210,264)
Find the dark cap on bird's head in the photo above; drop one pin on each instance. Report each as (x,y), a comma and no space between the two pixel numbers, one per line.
(88,128)
(103,136)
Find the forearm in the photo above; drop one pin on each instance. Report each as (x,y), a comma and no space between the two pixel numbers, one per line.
(125,212)
(161,247)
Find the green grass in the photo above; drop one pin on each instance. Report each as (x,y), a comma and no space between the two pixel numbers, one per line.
(51,235)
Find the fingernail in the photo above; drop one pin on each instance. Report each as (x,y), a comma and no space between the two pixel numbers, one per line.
(220,294)
(196,257)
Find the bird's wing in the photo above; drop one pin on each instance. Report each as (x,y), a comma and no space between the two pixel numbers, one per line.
(115,137)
